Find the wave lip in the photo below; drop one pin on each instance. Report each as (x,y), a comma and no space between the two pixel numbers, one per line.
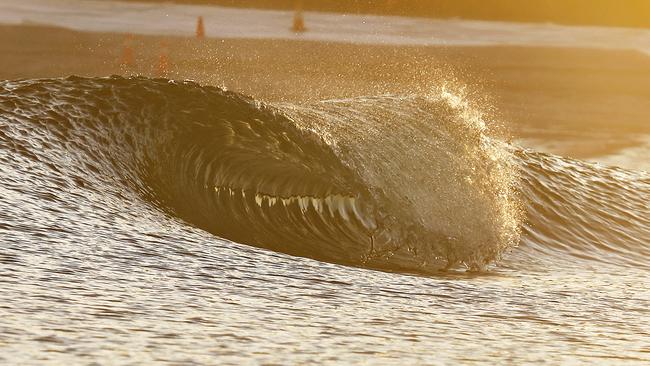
(444,190)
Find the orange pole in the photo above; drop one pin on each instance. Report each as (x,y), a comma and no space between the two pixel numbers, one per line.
(127,58)
(162,69)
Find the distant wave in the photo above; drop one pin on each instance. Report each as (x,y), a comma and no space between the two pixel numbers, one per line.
(402,183)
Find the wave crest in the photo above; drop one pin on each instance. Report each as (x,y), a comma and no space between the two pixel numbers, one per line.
(400,183)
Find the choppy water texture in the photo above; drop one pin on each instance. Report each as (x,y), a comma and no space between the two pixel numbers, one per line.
(146,220)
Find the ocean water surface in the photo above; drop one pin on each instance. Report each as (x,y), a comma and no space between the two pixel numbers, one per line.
(148,220)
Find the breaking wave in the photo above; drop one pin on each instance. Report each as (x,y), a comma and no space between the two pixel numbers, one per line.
(403,183)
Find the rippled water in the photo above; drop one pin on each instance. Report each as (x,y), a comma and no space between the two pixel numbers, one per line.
(145,220)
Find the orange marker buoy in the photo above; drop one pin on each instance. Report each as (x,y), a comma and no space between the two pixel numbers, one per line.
(298,23)
(200,28)
(298,20)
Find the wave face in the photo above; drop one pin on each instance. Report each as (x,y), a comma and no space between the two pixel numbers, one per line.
(585,211)
(396,183)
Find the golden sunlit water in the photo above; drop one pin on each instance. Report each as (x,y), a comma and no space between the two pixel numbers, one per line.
(318,202)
